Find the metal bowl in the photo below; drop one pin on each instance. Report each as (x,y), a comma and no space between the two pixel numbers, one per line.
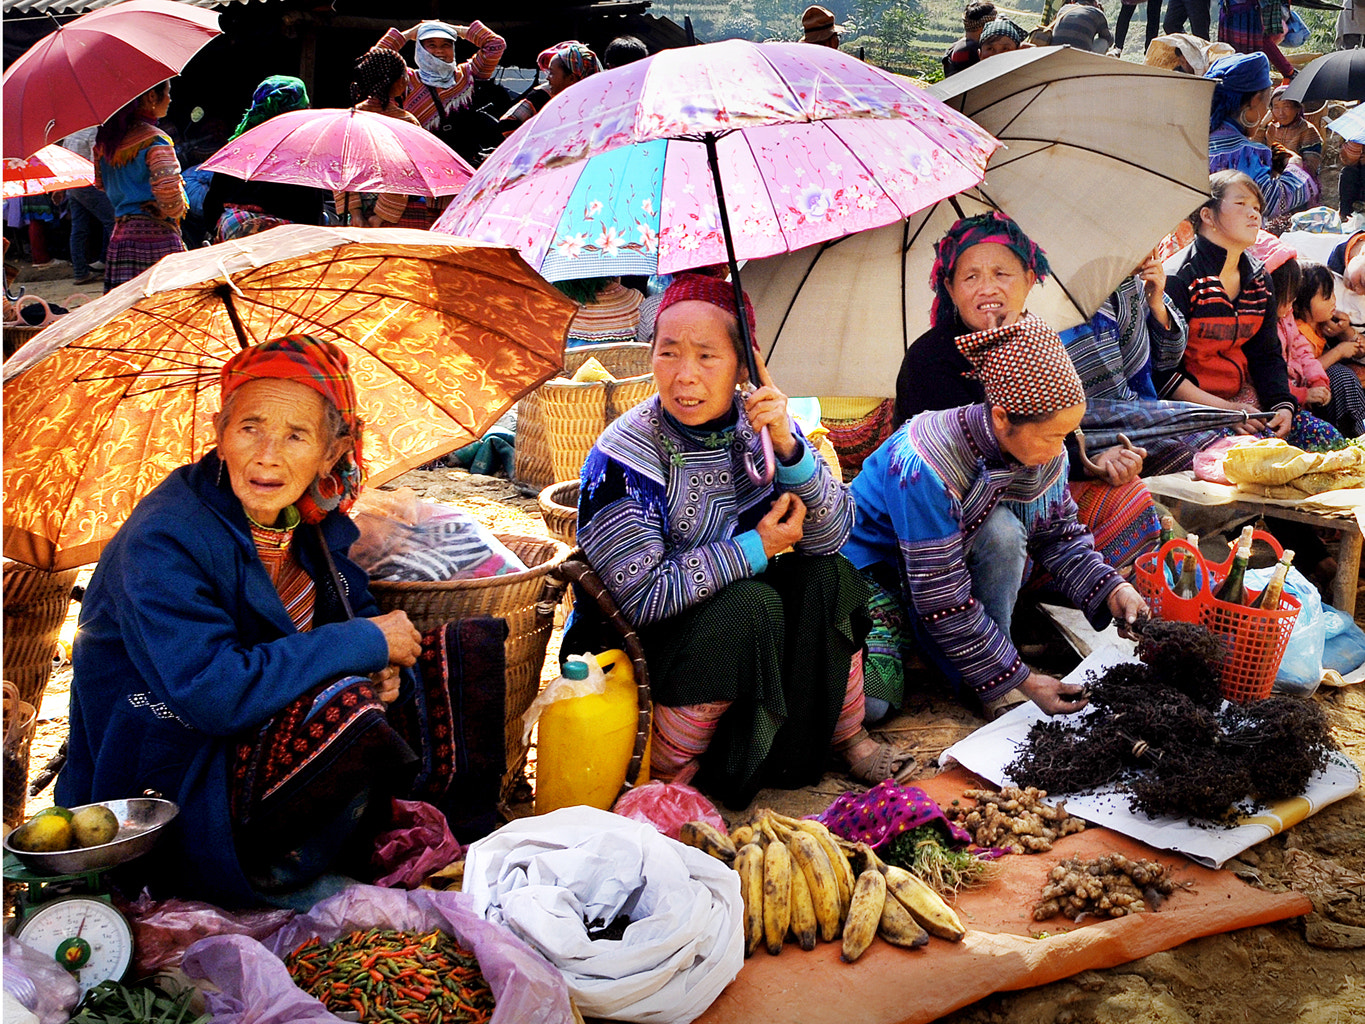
(140,822)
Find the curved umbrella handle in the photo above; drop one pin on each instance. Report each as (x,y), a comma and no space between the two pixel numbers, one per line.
(762,478)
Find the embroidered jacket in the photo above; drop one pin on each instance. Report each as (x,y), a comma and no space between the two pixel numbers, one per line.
(459,94)
(1290,190)
(142,176)
(922,496)
(667,515)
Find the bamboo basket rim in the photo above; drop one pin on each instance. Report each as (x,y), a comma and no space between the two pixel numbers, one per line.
(558,552)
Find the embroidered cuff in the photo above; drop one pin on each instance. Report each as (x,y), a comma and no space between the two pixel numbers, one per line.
(803,470)
(752,545)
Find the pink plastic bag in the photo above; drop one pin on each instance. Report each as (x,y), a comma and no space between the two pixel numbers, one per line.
(1208,464)
(163,930)
(420,843)
(666,805)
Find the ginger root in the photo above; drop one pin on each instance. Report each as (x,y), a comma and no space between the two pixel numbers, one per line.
(1109,886)
(1015,819)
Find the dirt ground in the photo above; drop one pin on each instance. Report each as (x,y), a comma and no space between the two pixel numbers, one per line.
(1305,971)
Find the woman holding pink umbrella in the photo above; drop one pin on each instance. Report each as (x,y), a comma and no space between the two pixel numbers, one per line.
(135,164)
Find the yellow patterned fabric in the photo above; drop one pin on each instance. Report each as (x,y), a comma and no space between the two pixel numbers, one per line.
(442,336)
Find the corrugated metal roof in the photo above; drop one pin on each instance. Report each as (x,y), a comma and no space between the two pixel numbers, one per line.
(38,8)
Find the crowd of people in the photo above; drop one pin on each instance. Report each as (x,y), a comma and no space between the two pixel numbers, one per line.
(230,654)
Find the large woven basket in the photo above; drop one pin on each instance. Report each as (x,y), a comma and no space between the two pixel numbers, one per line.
(559,509)
(16,337)
(526,600)
(558,423)
(20,722)
(36,603)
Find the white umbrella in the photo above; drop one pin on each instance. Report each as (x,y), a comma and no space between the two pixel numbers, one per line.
(1101,159)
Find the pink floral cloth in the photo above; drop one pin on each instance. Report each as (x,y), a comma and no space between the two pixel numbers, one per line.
(884,812)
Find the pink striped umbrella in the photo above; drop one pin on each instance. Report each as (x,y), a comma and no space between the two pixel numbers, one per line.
(51,169)
(345,150)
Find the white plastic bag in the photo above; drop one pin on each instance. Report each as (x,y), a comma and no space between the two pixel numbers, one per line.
(1301,668)
(405,539)
(549,878)
(38,983)
(564,688)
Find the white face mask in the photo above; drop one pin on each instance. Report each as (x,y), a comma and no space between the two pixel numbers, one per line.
(434,71)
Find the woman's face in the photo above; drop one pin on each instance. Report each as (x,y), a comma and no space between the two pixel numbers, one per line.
(1033,444)
(696,367)
(274,445)
(1235,222)
(155,105)
(997,44)
(1285,111)
(989,286)
(1255,110)
(558,77)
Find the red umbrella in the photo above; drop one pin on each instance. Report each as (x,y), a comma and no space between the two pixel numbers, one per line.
(51,169)
(89,68)
(345,150)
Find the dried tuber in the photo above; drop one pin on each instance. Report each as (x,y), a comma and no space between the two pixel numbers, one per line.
(1109,886)
(1015,819)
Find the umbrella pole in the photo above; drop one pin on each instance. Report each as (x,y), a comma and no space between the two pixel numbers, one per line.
(765,475)
(224,292)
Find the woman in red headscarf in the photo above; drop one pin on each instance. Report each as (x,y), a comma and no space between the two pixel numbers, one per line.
(230,656)
(753,653)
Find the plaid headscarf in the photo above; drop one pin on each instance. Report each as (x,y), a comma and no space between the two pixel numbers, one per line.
(1002,27)
(322,366)
(700,288)
(970,231)
(1024,367)
(278,94)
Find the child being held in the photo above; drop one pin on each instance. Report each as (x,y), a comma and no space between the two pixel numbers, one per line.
(1318,325)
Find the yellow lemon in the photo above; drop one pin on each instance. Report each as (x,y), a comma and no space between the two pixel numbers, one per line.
(45,833)
(94,826)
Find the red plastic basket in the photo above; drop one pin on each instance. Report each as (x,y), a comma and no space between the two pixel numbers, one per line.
(1256,638)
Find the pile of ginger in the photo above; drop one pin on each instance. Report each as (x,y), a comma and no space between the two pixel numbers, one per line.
(1014,819)
(1109,886)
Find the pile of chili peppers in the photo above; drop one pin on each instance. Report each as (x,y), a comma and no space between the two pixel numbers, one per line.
(388,975)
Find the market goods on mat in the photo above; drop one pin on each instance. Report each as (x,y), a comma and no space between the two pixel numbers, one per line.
(54,829)
(797,880)
(143,1002)
(1014,819)
(1107,886)
(926,852)
(387,975)
(1160,731)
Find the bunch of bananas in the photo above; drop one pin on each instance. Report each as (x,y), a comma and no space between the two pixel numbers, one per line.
(799,880)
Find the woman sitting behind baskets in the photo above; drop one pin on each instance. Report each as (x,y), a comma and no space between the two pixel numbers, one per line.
(217,662)
(753,654)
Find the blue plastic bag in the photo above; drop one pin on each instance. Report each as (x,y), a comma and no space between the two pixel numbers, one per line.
(1296,31)
(1301,669)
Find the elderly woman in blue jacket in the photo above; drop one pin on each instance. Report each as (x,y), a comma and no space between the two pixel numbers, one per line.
(230,656)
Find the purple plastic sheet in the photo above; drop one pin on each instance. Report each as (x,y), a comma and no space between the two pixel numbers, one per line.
(255,987)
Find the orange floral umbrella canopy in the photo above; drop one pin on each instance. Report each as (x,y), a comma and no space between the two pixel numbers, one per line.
(443,335)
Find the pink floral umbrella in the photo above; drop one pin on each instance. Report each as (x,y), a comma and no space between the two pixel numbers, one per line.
(51,169)
(346,150)
(717,153)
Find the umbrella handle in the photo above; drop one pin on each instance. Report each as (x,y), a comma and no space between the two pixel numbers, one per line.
(762,478)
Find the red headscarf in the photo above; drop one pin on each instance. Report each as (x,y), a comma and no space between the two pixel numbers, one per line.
(717,292)
(322,366)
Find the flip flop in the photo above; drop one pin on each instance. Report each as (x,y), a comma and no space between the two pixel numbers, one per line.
(888,761)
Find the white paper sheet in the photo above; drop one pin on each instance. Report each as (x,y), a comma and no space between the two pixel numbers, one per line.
(988,750)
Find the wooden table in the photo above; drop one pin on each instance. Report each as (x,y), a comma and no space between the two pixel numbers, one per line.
(1344,516)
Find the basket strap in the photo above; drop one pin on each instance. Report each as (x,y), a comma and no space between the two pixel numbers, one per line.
(336,576)
(576,569)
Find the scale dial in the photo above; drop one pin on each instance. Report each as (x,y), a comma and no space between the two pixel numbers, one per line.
(83,934)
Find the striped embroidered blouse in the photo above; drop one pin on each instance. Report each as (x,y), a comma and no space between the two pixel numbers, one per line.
(482,65)
(295,586)
(1292,189)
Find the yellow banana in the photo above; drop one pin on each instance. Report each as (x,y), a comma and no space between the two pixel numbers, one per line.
(708,839)
(864,914)
(741,835)
(803,925)
(777,895)
(749,864)
(898,927)
(843,874)
(808,855)
(925,905)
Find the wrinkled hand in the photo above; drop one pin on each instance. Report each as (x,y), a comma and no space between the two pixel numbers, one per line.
(405,643)
(767,407)
(1119,465)
(386,683)
(784,525)
(1281,423)
(1319,396)
(1127,607)
(1051,695)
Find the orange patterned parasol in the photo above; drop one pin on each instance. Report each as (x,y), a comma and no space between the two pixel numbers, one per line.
(443,336)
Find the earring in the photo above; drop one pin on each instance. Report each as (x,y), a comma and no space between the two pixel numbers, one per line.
(219,481)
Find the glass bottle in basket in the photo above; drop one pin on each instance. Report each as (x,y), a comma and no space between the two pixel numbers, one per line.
(1234,590)
(1187,585)
(1270,596)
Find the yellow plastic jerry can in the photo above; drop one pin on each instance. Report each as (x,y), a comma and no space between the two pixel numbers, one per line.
(585,742)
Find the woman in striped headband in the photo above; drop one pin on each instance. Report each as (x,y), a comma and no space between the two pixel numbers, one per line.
(753,648)
(231,656)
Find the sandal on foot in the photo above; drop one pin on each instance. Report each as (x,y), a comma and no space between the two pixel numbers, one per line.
(886,762)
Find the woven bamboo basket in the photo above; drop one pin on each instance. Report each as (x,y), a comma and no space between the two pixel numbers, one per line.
(559,509)
(526,600)
(15,337)
(558,423)
(20,723)
(36,603)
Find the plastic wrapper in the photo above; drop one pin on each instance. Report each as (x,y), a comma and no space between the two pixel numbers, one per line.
(666,805)
(419,843)
(255,987)
(38,983)
(564,688)
(1301,667)
(164,929)
(406,539)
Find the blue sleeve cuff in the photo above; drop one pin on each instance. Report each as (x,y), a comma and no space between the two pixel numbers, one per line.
(752,545)
(803,470)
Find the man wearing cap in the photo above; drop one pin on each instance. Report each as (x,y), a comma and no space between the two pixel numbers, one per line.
(439,88)
(818,24)
(949,478)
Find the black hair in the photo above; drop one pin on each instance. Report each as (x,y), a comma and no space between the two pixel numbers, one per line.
(1285,280)
(979,10)
(375,73)
(111,133)
(624,50)
(1219,184)
(1019,419)
(1314,281)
